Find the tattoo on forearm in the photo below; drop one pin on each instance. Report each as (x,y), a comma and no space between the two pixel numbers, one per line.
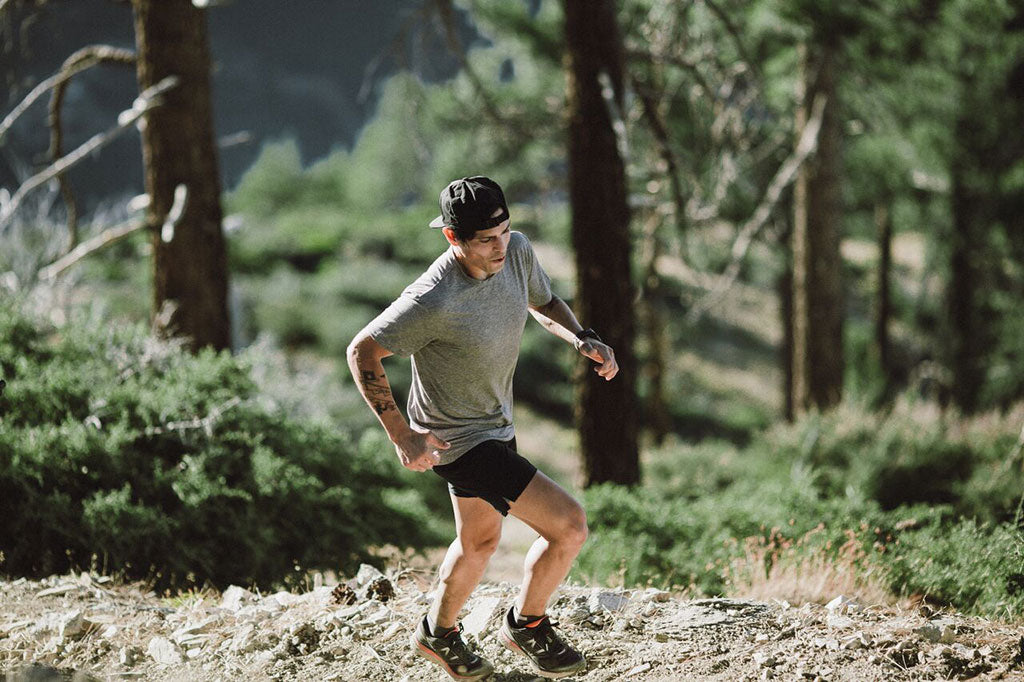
(377,391)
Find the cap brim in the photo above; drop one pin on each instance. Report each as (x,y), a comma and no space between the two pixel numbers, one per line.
(437,222)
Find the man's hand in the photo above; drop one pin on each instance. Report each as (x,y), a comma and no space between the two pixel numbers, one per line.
(419,450)
(603,355)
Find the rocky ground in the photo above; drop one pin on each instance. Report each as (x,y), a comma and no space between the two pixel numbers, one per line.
(87,628)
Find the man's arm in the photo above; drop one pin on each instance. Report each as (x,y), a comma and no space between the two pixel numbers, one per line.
(557,317)
(416,450)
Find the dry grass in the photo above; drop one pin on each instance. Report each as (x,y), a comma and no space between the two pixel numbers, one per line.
(785,569)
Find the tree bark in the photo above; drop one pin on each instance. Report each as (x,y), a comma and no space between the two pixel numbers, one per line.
(883,302)
(190,277)
(606,411)
(817,304)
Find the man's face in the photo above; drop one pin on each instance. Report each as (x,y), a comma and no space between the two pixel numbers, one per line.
(484,254)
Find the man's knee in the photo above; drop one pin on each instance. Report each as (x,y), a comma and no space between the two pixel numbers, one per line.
(574,530)
(480,546)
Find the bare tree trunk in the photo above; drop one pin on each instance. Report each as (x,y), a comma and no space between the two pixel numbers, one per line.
(817,267)
(606,410)
(189,254)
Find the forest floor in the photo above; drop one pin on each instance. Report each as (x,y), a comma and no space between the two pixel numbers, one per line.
(87,628)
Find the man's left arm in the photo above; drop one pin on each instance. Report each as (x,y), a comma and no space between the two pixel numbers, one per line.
(558,318)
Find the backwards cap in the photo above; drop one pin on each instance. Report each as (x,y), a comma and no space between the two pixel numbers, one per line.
(468,204)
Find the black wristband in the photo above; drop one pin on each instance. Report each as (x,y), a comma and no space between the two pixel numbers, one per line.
(587,333)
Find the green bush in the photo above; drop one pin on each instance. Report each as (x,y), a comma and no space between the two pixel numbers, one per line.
(926,504)
(121,450)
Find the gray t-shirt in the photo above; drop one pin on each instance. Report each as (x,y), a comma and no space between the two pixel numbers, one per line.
(463,335)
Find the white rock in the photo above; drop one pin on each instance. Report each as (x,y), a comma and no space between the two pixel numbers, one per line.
(71,626)
(642,668)
(842,604)
(235,597)
(479,614)
(163,651)
(367,574)
(391,631)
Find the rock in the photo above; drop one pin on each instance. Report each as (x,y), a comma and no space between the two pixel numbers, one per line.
(71,626)
(936,633)
(607,601)
(842,604)
(479,614)
(367,574)
(60,589)
(235,597)
(763,660)
(657,596)
(163,651)
(642,668)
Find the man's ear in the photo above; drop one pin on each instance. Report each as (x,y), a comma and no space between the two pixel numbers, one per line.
(449,234)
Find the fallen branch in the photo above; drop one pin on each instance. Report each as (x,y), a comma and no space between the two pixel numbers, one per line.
(126,119)
(783,177)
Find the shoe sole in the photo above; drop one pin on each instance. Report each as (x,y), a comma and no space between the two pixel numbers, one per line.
(424,652)
(510,644)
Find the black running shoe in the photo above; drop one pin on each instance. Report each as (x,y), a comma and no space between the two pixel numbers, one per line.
(538,641)
(451,653)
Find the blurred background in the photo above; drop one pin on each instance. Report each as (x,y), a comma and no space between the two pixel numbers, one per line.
(800,224)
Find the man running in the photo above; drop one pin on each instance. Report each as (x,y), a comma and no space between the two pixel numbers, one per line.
(461,322)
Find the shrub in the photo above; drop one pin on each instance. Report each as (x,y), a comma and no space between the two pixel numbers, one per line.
(913,502)
(165,465)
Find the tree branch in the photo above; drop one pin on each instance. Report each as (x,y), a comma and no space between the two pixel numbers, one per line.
(91,55)
(783,177)
(126,119)
(100,241)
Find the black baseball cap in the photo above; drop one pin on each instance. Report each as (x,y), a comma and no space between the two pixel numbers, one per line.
(468,204)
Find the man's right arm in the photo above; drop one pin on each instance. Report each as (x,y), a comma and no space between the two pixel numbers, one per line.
(416,450)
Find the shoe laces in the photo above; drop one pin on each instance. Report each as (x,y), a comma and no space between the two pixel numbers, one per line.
(458,646)
(544,634)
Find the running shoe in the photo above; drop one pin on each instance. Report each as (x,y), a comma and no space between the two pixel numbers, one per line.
(549,655)
(451,653)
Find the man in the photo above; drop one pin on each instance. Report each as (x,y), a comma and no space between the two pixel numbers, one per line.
(461,322)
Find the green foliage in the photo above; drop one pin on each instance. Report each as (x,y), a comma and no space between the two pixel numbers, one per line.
(931,505)
(119,449)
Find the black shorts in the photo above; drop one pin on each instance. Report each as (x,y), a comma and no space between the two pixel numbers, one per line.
(492,471)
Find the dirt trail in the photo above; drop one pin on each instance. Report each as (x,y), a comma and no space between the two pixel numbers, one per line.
(87,628)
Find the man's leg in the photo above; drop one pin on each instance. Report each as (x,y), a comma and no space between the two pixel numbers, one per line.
(478,529)
(562,524)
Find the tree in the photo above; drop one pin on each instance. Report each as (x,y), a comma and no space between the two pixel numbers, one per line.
(817,305)
(606,411)
(190,277)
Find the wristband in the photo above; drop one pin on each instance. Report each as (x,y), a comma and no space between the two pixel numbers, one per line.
(587,333)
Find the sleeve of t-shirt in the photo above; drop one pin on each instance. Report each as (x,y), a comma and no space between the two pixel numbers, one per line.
(538,283)
(404,327)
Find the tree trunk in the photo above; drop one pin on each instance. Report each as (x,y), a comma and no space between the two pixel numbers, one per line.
(189,254)
(606,410)
(817,268)
(967,328)
(883,302)
(657,419)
